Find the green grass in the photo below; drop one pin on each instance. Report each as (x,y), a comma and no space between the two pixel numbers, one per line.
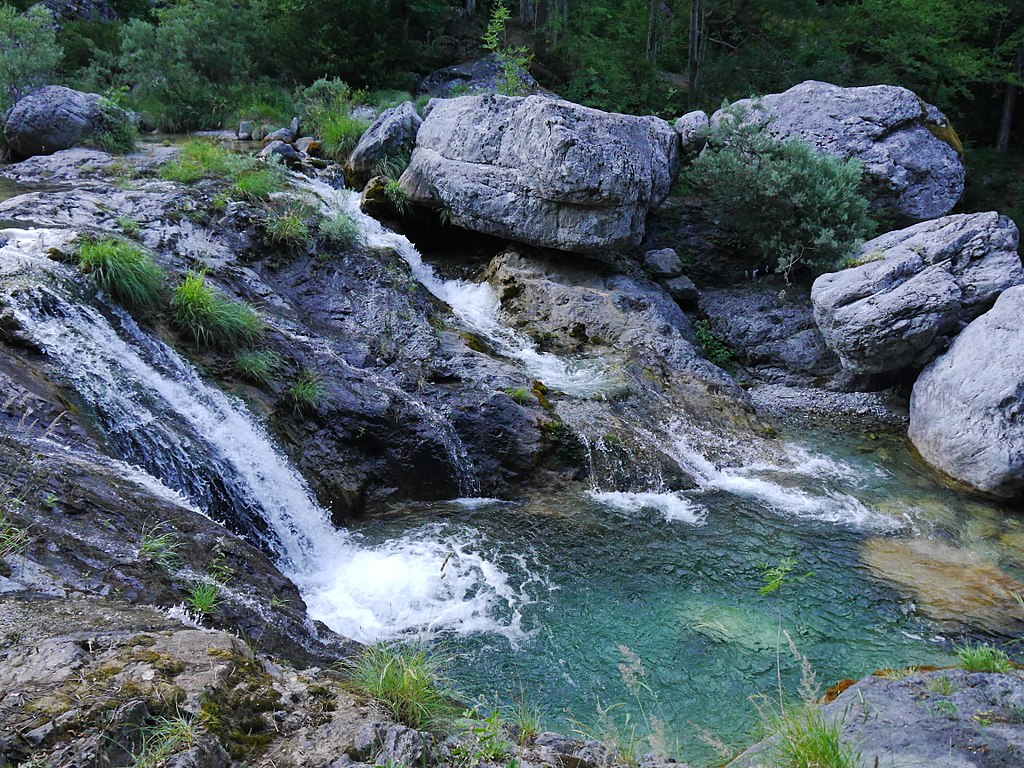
(124,271)
(408,682)
(288,226)
(160,547)
(204,597)
(307,392)
(13,539)
(712,347)
(199,159)
(520,395)
(387,99)
(807,739)
(339,134)
(942,685)
(212,319)
(257,184)
(128,225)
(260,367)
(167,736)
(525,719)
(396,195)
(983,658)
(391,167)
(340,229)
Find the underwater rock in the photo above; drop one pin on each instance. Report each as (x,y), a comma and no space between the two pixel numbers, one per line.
(966,407)
(910,154)
(915,289)
(542,171)
(953,587)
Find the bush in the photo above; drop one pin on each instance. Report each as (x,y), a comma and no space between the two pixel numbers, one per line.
(212,319)
(712,347)
(123,271)
(791,207)
(983,658)
(407,682)
(29,53)
(119,130)
(339,133)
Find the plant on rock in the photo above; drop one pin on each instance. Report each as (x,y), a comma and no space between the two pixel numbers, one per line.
(204,597)
(260,367)
(790,206)
(339,134)
(212,319)
(307,392)
(983,658)
(340,229)
(124,271)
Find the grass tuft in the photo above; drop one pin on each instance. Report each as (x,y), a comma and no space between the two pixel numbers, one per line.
(943,685)
(339,134)
(307,392)
(397,196)
(212,319)
(167,736)
(13,539)
(250,179)
(983,658)
(288,226)
(160,547)
(340,229)
(124,271)
(260,367)
(408,682)
(204,597)
(807,739)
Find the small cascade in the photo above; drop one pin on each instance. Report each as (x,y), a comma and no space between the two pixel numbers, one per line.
(476,305)
(159,414)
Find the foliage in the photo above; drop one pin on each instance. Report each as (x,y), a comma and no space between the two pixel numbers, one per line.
(392,166)
(13,539)
(259,183)
(165,737)
(307,392)
(340,229)
(397,197)
(259,366)
(520,395)
(212,319)
(204,597)
(29,52)
(200,159)
(482,741)
(942,685)
(525,718)
(160,546)
(288,225)
(793,208)
(807,739)
(339,133)
(983,658)
(513,60)
(119,130)
(407,681)
(124,271)
(712,347)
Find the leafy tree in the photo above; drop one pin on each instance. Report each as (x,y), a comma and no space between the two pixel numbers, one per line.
(29,52)
(513,59)
(788,205)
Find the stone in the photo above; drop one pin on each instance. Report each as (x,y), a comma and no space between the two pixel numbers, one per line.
(53,118)
(392,134)
(280,149)
(543,171)
(391,744)
(287,135)
(308,145)
(682,290)
(245,130)
(664,262)
(693,129)
(967,407)
(915,289)
(478,76)
(910,154)
(80,10)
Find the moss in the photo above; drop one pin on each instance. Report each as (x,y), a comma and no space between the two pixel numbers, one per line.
(944,132)
(473,341)
(541,393)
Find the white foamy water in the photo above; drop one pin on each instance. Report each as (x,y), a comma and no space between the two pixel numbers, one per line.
(807,494)
(674,506)
(155,406)
(475,304)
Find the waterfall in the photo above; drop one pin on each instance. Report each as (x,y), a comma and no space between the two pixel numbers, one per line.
(476,305)
(159,414)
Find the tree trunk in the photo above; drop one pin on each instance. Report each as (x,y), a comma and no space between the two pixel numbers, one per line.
(1010,103)
(653,32)
(694,79)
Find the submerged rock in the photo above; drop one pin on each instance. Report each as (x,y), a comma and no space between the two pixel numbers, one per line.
(392,135)
(910,153)
(967,407)
(953,587)
(53,118)
(916,289)
(542,171)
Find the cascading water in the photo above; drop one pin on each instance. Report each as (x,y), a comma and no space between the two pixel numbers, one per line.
(474,304)
(158,413)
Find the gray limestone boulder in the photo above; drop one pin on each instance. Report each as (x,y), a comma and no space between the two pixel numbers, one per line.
(543,171)
(910,154)
(392,134)
(693,130)
(915,289)
(663,262)
(53,118)
(967,407)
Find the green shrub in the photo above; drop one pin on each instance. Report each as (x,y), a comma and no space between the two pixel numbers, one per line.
(124,271)
(340,229)
(983,658)
(212,319)
(119,130)
(712,347)
(397,197)
(339,133)
(387,99)
(29,52)
(308,391)
(260,367)
(408,682)
(790,206)
(323,97)
(513,60)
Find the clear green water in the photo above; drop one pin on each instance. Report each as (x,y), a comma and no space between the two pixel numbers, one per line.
(684,598)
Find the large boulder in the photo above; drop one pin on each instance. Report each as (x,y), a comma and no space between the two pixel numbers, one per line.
(967,407)
(910,153)
(54,118)
(543,171)
(392,134)
(915,289)
(483,75)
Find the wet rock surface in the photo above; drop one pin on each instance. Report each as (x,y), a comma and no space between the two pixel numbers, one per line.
(966,407)
(542,171)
